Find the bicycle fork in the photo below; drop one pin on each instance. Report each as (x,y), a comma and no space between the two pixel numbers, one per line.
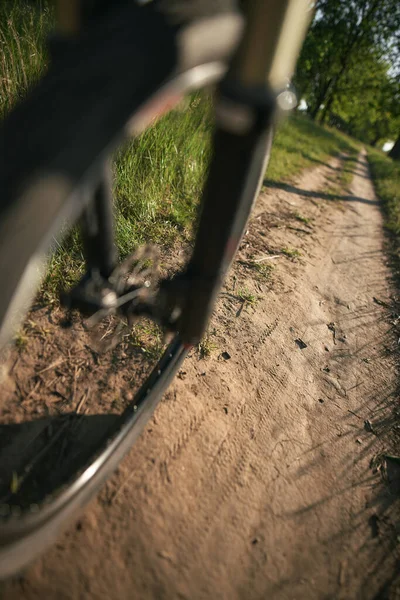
(235,176)
(253,89)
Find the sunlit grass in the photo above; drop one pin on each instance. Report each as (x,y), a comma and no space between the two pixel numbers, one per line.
(386,176)
(300,144)
(290,252)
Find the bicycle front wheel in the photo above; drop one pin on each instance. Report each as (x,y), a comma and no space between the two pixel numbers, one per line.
(76,117)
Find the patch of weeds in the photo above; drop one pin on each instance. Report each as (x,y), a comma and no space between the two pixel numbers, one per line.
(159,177)
(246,295)
(264,269)
(33,328)
(146,336)
(302,219)
(206,346)
(65,266)
(291,252)
(153,351)
(21,340)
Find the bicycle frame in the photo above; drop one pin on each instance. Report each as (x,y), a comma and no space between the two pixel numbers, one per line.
(248,97)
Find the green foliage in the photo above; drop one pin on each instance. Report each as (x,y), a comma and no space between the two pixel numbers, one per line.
(207,345)
(344,71)
(369,99)
(305,220)
(291,252)
(245,295)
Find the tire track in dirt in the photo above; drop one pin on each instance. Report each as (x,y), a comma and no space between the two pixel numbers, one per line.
(253,479)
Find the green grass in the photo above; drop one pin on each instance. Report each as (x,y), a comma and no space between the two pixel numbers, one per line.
(263,269)
(302,219)
(159,176)
(147,336)
(386,176)
(300,144)
(23,30)
(158,179)
(206,346)
(245,295)
(291,252)
(20,340)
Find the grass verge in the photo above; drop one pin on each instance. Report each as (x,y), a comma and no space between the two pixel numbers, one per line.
(386,176)
(300,143)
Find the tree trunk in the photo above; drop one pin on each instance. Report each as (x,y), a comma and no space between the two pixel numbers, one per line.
(375,141)
(314,111)
(333,84)
(326,111)
(395,151)
(320,100)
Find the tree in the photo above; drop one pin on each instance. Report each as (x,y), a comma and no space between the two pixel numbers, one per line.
(368,100)
(341,30)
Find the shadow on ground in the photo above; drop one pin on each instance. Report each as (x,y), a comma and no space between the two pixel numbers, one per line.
(37,457)
(287,187)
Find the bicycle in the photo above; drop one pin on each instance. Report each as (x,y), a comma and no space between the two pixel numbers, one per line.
(62,175)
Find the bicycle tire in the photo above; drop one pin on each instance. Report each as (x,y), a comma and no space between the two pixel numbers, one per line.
(56,198)
(24,537)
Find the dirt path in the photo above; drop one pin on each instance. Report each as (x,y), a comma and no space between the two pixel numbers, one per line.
(254,478)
